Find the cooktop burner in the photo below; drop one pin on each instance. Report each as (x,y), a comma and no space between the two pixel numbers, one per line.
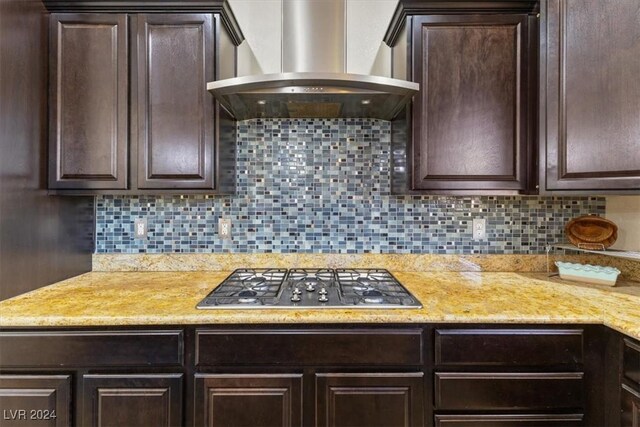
(248,287)
(310,288)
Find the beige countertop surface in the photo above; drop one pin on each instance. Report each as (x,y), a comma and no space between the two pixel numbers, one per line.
(169,298)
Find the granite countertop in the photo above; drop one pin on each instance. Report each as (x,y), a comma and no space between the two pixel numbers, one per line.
(169,298)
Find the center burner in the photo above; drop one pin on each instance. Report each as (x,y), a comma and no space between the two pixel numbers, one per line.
(310,288)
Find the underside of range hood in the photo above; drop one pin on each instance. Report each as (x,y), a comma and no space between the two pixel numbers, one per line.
(313,95)
(313,82)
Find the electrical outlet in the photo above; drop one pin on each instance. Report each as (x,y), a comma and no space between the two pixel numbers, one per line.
(479,229)
(224,229)
(140,228)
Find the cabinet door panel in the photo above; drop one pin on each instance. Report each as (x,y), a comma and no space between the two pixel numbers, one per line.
(248,400)
(35,400)
(369,400)
(132,400)
(630,416)
(470,117)
(592,89)
(175,111)
(88,106)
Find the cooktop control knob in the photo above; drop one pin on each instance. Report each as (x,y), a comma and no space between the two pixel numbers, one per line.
(297,291)
(295,297)
(310,287)
(322,291)
(323,298)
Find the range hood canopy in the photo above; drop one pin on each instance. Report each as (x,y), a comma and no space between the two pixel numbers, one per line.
(313,82)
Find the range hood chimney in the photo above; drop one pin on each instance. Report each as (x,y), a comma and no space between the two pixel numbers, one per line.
(314,82)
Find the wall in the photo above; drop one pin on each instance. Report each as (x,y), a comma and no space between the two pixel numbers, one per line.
(625,212)
(42,239)
(323,186)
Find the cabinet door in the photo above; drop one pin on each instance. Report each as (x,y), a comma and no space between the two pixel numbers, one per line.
(175,111)
(88,86)
(35,400)
(132,400)
(591,138)
(630,407)
(471,117)
(243,400)
(369,400)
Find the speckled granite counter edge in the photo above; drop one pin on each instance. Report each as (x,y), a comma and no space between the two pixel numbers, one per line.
(396,262)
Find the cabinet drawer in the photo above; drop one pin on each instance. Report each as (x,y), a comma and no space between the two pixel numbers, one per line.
(508,347)
(497,391)
(309,347)
(91,348)
(631,368)
(509,420)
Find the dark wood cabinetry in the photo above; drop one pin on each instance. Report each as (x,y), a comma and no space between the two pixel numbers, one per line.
(35,400)
(370,400)
(88,84)
(148,125)
(471,128)
(355,375)
(590,96)
(630,384)
(630,408)
(268,400)
(176,55)
(133,400)
(470,119)
(526,377)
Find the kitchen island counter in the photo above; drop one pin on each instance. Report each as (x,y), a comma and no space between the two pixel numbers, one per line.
(169,298)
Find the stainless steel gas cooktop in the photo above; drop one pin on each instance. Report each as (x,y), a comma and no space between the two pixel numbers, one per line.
(309,288)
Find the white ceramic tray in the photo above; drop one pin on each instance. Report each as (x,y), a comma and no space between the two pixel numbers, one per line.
(588,273)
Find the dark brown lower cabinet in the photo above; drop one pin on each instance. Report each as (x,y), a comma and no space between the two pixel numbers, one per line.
(132,400)
(244,400)
(509,420)
(322,375)
(370,400)
(630,407)
(35,400)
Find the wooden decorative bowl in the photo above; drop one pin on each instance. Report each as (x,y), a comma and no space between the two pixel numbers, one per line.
(591,232)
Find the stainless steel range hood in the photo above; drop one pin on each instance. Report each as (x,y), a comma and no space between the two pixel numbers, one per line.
(313,82)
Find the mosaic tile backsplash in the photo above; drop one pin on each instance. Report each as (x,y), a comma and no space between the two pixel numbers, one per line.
(324,186)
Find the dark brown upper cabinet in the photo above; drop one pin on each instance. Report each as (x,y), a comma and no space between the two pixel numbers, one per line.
(471,128)
(590,96)
(175,114)
(130,112)
(88,82)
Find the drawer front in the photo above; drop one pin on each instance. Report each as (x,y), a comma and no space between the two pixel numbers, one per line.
(305,347)
(508,347)
(499,391)
(91,348)
(631,368)
(503,420)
